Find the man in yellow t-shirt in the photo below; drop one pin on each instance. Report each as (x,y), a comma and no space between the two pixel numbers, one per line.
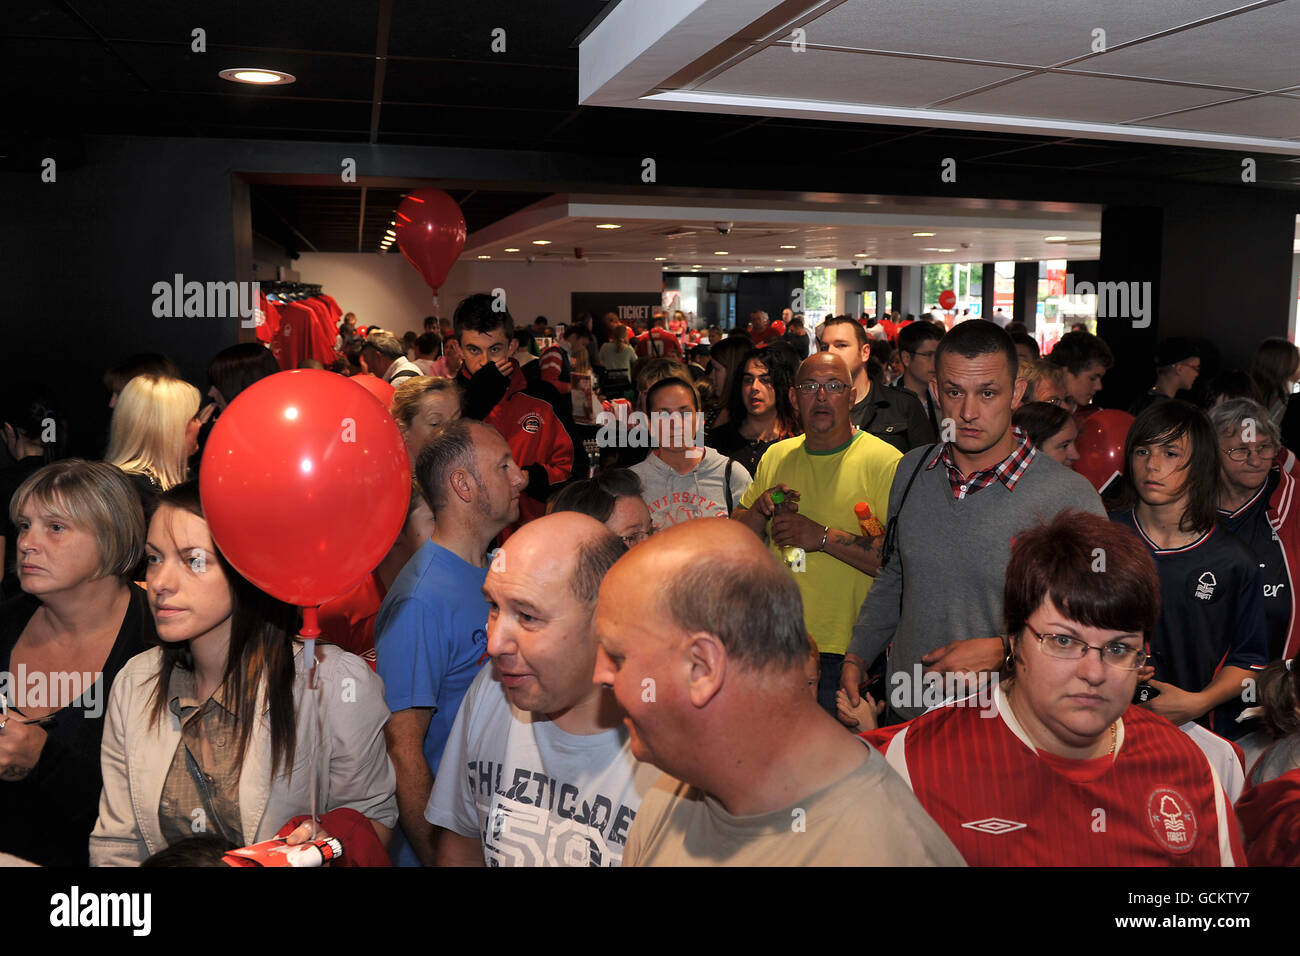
(822,475)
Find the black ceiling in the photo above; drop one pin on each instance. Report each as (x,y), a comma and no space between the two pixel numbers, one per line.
(422,72)
(353,219)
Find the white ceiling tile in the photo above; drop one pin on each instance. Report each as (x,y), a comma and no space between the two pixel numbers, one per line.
(1255,50)
(1275,116)
(1036,32)
(851,77)
(1065,96)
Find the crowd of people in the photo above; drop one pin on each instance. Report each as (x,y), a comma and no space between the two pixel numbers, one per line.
(835,603)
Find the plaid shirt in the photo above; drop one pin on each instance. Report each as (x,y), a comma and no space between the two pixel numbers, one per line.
(1008,470)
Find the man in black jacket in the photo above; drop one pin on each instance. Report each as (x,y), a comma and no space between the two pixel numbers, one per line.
(892,415)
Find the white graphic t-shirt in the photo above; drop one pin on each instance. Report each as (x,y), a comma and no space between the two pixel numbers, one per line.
(533,794)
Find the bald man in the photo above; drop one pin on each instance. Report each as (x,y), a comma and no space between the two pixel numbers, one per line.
(710,670)
(537,770)
(823,474)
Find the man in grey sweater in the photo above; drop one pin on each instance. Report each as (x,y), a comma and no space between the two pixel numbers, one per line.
(937,603)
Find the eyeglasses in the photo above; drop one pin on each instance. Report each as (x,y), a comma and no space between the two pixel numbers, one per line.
(636,537)
(1263,450)
(1063,647)
(831,388)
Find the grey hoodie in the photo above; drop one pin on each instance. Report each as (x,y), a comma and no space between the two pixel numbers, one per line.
(673,498)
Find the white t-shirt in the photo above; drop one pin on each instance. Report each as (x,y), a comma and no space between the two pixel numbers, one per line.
(533,794)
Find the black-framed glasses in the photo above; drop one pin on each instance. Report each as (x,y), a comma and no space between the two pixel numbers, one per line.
(1117,654)
(1266,451)
(636,537)
(831,388)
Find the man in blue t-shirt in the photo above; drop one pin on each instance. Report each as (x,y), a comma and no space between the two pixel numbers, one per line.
(430,636)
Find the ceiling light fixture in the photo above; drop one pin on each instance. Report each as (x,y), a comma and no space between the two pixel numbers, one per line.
(541,242)
(789,247)
(608,225)
(722,253)
(485,257)
(919,235)
(661,258)
(1056,238)
(257,76)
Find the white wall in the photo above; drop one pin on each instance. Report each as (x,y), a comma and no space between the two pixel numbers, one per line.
(386,290)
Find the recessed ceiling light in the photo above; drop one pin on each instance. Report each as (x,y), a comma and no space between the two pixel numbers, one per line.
(485,257)
(541,242)
(860,255)
(920,234)
(780,260)
(789,247)
(724,268)
(722,253)
(1055,238)
(608,225)
(694,267)
(512,249)
(389,232)
(661,258)
(780,268)
(257,77)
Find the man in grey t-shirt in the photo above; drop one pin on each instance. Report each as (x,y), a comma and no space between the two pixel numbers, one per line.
(710,667)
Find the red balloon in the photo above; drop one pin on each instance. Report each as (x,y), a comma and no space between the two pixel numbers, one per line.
(284,459)
(376,386)
(947,299)
(431,233)
(1101,445)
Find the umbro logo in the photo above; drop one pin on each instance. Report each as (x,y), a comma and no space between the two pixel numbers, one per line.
(994,825)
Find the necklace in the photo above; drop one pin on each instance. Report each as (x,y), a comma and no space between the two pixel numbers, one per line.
(1114,737)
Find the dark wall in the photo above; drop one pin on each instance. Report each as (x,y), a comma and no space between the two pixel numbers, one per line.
(767,291)
(92,244)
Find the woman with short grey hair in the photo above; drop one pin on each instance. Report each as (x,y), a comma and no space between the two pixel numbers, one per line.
(1255,492)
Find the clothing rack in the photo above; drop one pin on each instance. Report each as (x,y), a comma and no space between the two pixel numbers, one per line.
(283,288)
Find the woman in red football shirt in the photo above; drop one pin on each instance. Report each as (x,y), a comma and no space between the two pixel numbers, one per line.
(1055,767)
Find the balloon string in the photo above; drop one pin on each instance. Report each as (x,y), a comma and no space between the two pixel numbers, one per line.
(312,711)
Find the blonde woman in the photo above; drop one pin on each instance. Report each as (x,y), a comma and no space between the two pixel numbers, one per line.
(420,404)
(154,431)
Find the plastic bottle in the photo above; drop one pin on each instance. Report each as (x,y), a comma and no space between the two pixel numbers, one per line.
(790,554)
(868,524)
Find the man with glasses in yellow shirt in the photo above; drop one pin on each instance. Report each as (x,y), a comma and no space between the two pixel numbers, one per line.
(820,476)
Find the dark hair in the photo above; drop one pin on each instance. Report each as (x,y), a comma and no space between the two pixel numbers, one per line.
(427,344)
(526,340)
(728,353)
(146,363)
(1276,361)
(670,382)
(1232,384)
(596,496)
(751,604)
(1024,338)
(1058,560)
(1040,420)
(235,368)
(782,376)
(1077,350)
(261,648)
(1016,326)
(207,849)
(858,330)
(475,314)
(1167,422)
(596,555)
(1279,695)
(451,447)
(27,407)
(430,323)
(912,336)
(973,339)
